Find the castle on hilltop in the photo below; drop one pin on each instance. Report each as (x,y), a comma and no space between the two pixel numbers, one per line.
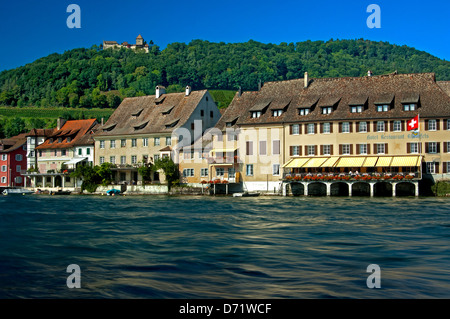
(139,44)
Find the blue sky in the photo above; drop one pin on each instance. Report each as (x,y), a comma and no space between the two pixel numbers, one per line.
(32,29)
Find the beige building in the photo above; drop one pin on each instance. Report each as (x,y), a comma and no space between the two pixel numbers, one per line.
(341,132)
(145,129)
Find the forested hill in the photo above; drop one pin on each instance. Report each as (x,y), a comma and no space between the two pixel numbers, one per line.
(102,78)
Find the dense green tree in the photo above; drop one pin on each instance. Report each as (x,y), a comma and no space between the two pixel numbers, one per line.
(170,169)
(82,77)
(14,126)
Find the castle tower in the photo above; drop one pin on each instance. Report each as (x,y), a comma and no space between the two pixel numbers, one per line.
(139,41)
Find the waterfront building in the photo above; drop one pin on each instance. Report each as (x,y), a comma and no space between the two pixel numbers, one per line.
(35,138)
(215,157)
(69,145)
(342,135)
(147,128)
(13,161)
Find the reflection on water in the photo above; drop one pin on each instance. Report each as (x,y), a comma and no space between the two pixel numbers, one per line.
(224,247)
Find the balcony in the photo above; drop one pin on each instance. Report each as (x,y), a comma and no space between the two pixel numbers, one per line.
(223,160)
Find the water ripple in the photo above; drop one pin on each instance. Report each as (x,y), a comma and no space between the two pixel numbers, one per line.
(222,247)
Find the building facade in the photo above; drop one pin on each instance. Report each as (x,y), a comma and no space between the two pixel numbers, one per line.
(145,129)
(69,145)
(13,161)
(345,130)
(35,138)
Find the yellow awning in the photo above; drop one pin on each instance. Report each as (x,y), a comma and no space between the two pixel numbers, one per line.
(223,150)
(370,161)
(351,162)
(296,162)
(330,162)
(315,162)
(410,161)
(384,161)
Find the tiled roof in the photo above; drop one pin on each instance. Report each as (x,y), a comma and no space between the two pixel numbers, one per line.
(444,85)
(146,115)
(88,137)
(341,93)
(41,132)
(13,143)
(75,130)
(239,106)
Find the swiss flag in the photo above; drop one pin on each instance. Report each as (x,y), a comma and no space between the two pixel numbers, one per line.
(413,124)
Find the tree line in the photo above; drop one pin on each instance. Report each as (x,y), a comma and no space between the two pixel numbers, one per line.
(93,77)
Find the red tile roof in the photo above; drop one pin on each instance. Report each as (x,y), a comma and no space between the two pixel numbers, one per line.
(75,131)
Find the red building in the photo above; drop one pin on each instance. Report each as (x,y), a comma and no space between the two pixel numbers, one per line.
(13,160)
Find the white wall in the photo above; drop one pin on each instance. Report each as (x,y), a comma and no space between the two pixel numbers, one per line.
(84,152)
(262,186)
(206,104)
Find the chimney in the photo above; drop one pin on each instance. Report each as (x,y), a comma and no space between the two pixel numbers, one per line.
(306,80)
(188,90)
(160,90)
(60,123)
(369,73)
(240,92)
(102,121)
(259,85)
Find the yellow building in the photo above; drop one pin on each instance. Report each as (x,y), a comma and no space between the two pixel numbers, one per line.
(341,133)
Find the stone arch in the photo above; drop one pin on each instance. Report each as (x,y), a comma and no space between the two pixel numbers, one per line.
(317,189)
(361,189)
(297,189)
(382,189)
(405,189)
(339,189)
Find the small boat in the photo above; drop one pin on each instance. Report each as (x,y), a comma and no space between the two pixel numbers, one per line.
(245,194)
(17,191)
(113,192)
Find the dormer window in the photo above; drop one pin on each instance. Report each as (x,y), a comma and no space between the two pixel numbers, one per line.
(255,114)
(409,107)
(172,124)
(109,128)
(356,109)
(276,113)
(69,139)
(382,108)
(410,101)
(59,139)
(168,109)
(137,113)
(232,122)
(140,126)
(260,108)
(327,109)
(303,111)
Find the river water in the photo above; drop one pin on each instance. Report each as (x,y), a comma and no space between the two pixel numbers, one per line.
(224,247)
